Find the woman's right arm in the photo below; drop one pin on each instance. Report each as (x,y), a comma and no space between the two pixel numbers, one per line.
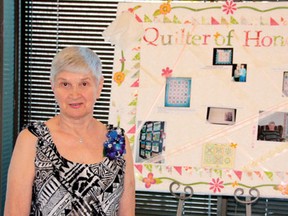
(21,175)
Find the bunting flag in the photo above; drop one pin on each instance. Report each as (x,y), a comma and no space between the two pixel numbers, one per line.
(136,74)
(214,21)
(238,174)
(269,175)
(178,169)
(133,120)
(233,20)
(224,21)
(139,167)
(147,19)
(132,139)
(132,130)
(133,103)
(259,174)
(136,83)
(273,22)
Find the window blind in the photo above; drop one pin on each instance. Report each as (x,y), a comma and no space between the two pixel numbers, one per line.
(7,65)
(50,26)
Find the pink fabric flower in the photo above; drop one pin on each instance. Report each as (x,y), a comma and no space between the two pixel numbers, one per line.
(167,72)
(229,7)
(216,185)
(149,180)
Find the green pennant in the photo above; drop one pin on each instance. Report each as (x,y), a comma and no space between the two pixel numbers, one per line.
(147,19)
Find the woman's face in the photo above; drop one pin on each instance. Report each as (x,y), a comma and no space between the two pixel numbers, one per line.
(76,93)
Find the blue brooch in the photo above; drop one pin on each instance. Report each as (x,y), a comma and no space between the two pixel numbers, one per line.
(114,146)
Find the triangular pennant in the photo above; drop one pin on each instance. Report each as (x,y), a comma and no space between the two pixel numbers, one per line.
(204,21)
(244,21)
(178,169)
(136,74)
(147,19)
(148,167)
(224,21)
(136,57)
(280,174)
(158,167)
(133,103)
(132,130)
(259,174)
(233,20)
(136,83)
(132,139)
(169,169)
(273,22)
(188,169)
(137,65)
(132,112)
(139,167)
(166,20)
(238,174)
(269,175)
(214,21)
(283,21)
(176,20)
(132,121)
(138,18)
(187,22)
(219,172)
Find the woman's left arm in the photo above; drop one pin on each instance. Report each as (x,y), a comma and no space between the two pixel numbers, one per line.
(127,203)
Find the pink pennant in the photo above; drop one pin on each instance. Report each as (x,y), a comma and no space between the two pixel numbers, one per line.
(136,83)
(178,169)
(139,167)
(132,130)
(238,174)
(259,174)
(214,21)
(273,22)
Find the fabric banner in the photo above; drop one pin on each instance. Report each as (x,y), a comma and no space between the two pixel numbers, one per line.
(201,91)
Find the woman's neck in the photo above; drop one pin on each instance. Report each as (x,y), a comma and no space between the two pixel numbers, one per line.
(76,125)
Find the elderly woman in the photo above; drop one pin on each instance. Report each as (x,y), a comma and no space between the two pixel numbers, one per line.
(72,164)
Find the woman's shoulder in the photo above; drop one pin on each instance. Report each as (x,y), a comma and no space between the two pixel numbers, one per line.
(38,129)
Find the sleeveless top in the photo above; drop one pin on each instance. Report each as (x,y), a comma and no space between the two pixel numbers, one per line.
(63,187)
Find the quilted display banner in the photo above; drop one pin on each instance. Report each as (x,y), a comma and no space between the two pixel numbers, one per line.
(201,90)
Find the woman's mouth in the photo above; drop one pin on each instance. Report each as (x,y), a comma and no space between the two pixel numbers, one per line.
(75,105)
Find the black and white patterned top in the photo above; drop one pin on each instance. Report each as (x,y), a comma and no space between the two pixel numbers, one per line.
(63,187)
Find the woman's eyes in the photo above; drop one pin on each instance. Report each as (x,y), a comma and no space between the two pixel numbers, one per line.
(67,84)
(64,84)
(84,83)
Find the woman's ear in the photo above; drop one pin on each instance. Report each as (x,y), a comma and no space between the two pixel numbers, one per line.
(52,85)
(99,87)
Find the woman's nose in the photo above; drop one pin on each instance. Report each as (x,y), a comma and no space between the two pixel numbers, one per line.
(75,92)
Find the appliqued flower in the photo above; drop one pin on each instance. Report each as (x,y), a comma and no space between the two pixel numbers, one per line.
(114,146)
(229,7)
(235,184)
(283,188)
(167,72)
(216,185)
(165,8)
(119,77)
(149,180)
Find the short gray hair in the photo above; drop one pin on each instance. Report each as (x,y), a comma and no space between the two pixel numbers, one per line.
(76,59)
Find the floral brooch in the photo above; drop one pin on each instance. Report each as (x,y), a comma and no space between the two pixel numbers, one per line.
(114,146)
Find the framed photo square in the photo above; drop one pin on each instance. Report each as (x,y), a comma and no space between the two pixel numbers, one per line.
(177,92)
(223,56)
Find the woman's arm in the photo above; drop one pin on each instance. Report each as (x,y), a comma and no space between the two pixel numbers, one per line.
(21,176)
(127,203)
